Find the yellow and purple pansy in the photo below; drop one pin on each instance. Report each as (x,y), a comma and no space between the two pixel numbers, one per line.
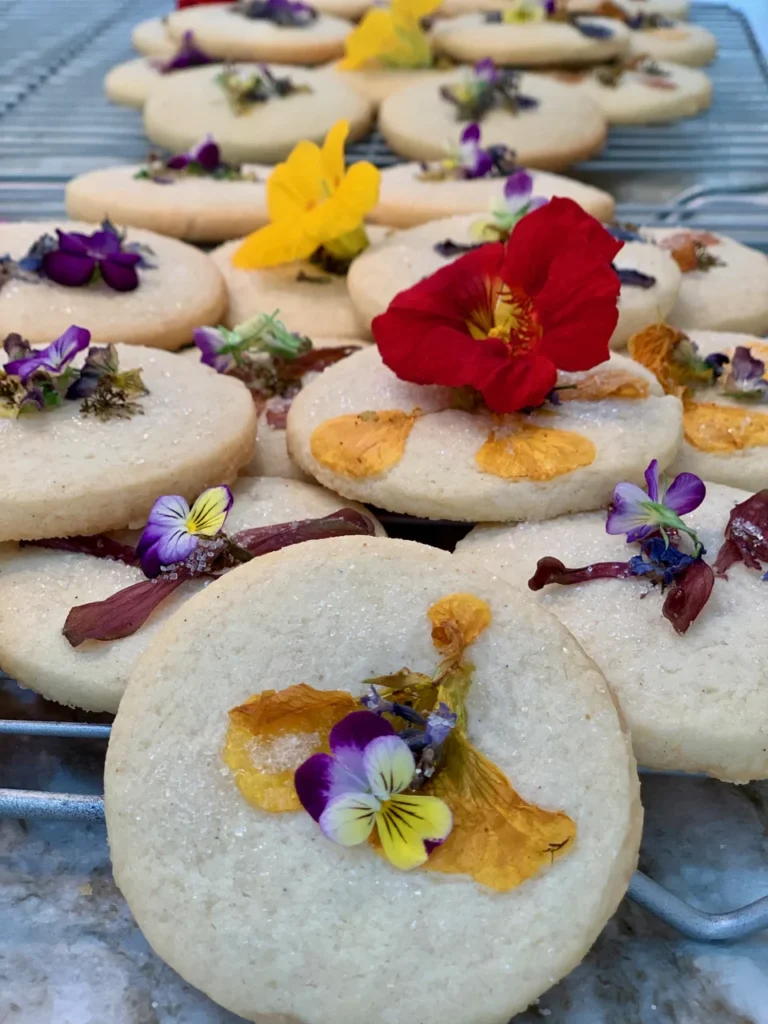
(361,785)
(174,530)
(54,360)
(484,88)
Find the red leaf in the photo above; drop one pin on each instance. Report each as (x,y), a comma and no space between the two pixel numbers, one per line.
(746,535)
(551,570)
(122,614)
(100,546)
(344,523)
(688,595)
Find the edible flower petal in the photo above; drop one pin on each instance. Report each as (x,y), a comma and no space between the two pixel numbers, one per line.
(505,318)
(745,377)
(639,514)
(80,259)
(54,359)
(173,529)
(188,55)
(286,13)
(746,535)
(391,37)
(485,88)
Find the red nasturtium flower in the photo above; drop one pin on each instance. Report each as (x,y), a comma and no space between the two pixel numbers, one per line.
(506,317)
(196,3)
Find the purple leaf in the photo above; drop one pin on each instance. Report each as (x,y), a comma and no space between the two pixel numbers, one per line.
(121,614)
(99,545)
(688,595)
(551,570)
(746,535)
(264,539)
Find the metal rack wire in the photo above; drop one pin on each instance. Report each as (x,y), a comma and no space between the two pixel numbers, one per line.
(55,122)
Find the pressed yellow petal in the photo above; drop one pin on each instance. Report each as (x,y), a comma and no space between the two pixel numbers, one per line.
(414,9)
(724,428)
(457,621)
(333,154)
(207,515)
(594,387)
(274,732)
(373,37)
(363,444)
(534,453)
(296,185)
(349,819)
(274,244)
(404,822)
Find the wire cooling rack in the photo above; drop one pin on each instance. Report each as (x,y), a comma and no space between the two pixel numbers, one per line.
(710,171)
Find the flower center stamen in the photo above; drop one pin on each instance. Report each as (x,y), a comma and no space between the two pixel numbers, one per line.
(515,322)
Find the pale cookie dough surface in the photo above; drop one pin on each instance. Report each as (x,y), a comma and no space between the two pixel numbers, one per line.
(693,703)
(270,456)
(642,99)
(198,209)
(130,83)
(667,8)
(222,33)
(222,891)
(186,105)
(38,588)
(65,475)
(305,306)
(680,43)
(377,276)
(351,10)
(375,84)
(420,125)
(733,297)
(406,201)
(182,291)
(746,468)
(438,475)
(151,38)
(470,38)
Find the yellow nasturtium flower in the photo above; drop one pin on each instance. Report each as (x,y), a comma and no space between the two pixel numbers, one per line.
(391,37)
(313,201)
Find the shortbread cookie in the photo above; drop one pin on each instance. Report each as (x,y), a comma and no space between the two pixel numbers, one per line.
(420,124)
(351,10)
(130,83)
(443,462)
(379,274)
(223,33)
(196,208)
(650,92)
(185,106)
(678,42)
(63,474)
(634,8)
(311,301)
(406,199)
(725,285)
(472,37)
(38,587)
(375,84)
(725,437)
(151,38)
(180,290)
(184,841)
(693,703)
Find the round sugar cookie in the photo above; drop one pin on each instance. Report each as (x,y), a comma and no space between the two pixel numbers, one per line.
(221,32)
(270,455)
(405,200)
(642,97)
(151,38)
(183,290)
(184,107)
(65,475)
(131,82)
(375,84)
(379,274)
(680,43)
(38,587)
(731,297)
(351,10)
(471,38)
(693,703)
(198,209)
(666,8)
(221,889)
(724,452)
(452,464)
(310,301)
(419,124)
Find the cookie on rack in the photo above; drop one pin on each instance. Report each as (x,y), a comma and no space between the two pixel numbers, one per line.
(548,125)
(195,196)
(634,8)
(650,278)
(134,286)
(88,440)
(256,114)
(676,41)
(724,284)
(689,687)
(279,31)
(130,83)
(584,40)
(40,586)
(470,181)
(642,91)
(151,38)
(176,811)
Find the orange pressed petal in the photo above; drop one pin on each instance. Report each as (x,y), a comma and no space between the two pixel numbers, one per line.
(457,621)
(534,453)
(723,428)
(654,348)
(363,444)
(594,387)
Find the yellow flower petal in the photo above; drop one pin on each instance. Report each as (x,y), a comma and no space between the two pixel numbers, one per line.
(374,36)
(594,387)
(362,444)
(711,427)
(333,154)
(457,621)
(389,766)
(415,9)
(296,185)
(274,244)
(349,819)
(404,822)
(358,193)
(535,453)
(207,515)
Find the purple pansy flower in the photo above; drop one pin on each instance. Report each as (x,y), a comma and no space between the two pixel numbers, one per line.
(173,529)
(639,514)
(78,257)
(206,153)
(746,376)
(485,70)
(474,161)
(188,55)
(54,359)
(216,347)
(361,785)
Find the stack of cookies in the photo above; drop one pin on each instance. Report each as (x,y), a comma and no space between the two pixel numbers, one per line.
(339,757)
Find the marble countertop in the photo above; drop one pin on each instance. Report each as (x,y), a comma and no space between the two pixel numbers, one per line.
(70,952)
